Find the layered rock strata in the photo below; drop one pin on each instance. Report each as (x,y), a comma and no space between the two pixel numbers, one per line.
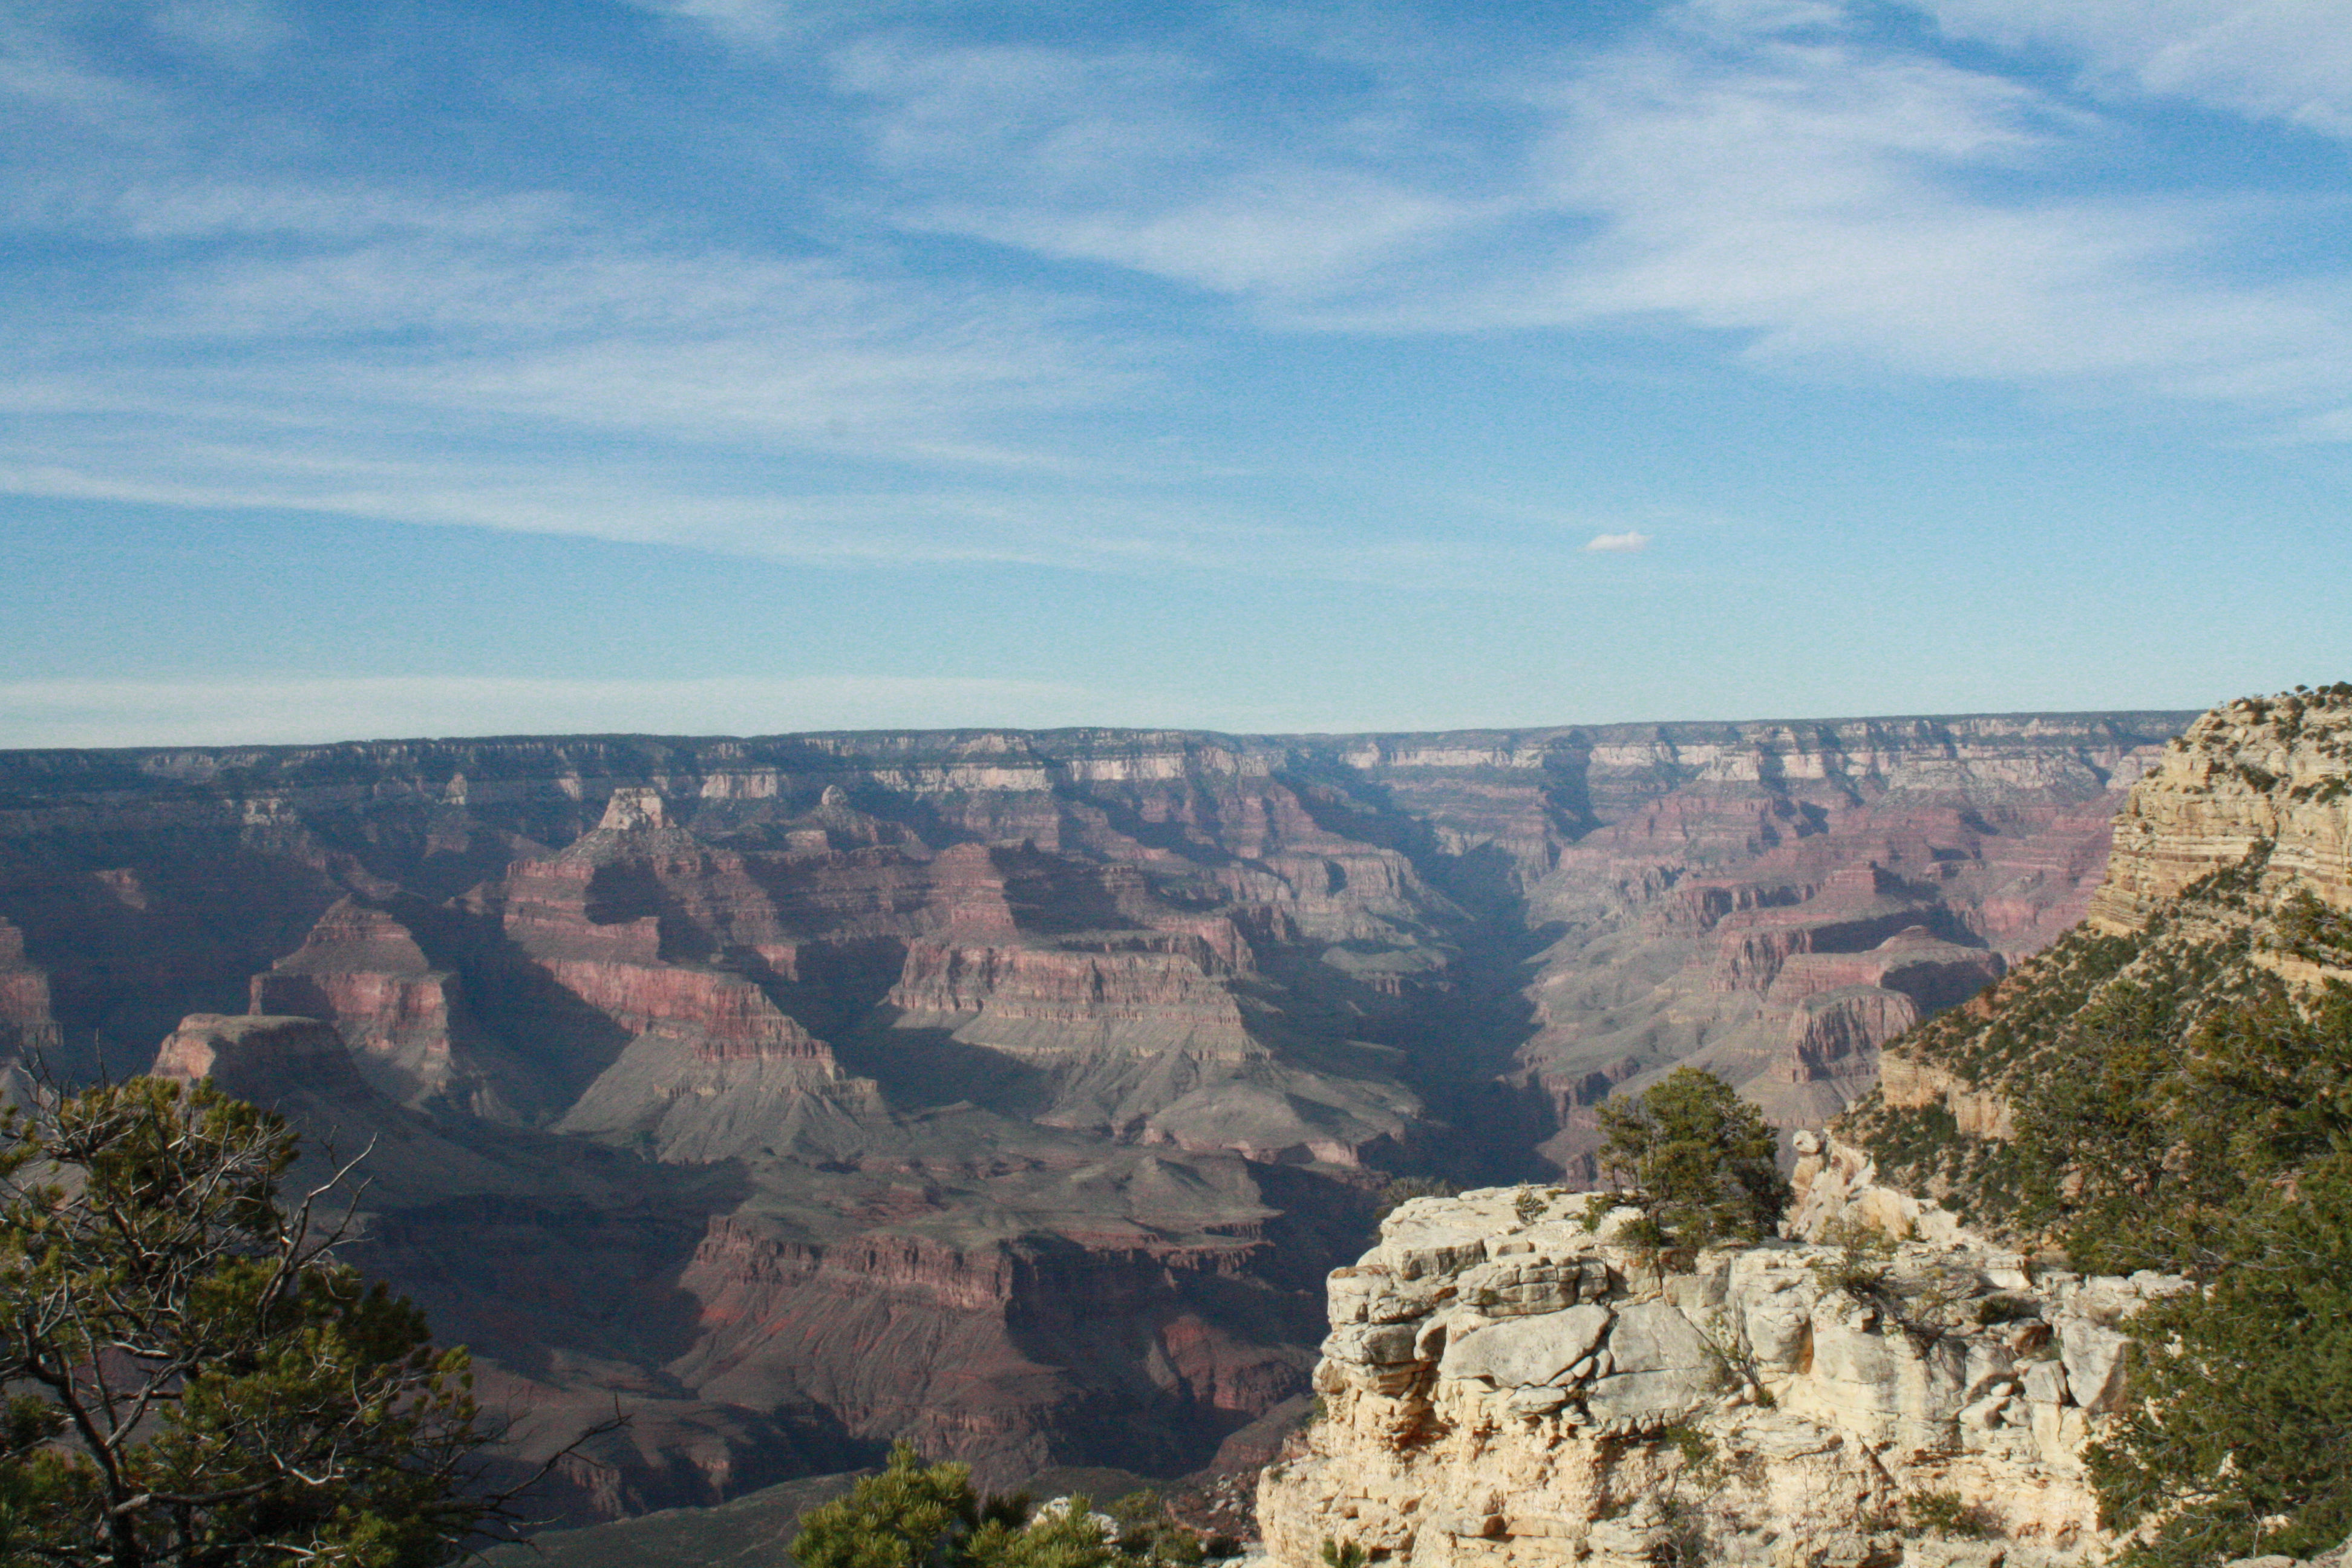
(1127,1005)
(1711,921)
(1503,1384)
(2273,774)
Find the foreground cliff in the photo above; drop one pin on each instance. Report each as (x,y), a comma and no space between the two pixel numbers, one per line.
(1010,1092)
(1503,1385)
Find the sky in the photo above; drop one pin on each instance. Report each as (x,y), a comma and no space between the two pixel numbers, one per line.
(442,367)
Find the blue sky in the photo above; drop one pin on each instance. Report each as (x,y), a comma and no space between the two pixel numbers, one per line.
(750,365)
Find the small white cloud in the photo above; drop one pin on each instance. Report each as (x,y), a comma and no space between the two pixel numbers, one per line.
(1618,543)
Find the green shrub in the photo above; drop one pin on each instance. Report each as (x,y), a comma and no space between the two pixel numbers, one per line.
(2006,1309)
(1342,1554)
(1945,1513)
(1401,1190)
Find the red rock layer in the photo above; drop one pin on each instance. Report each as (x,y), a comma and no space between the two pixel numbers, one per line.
(996,1352)
(1168,999)
(27,1027)
(360,969)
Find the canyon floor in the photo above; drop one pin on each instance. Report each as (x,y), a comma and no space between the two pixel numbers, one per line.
(1011,1093)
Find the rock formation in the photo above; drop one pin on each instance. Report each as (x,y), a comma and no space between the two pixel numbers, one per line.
(2271,774)
(1502,1384)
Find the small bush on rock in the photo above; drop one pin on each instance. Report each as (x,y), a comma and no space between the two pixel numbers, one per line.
(1945,1513)
(1401,1190)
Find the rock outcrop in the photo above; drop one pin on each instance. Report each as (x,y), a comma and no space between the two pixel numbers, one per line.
(27,1027)
(403,1017)
(2268,774)
(266,1060)
(1505,1382)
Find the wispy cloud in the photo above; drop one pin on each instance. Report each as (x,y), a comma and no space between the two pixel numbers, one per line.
(296,710)
(2277,60)
(1770,178)
(1122,159)
(746,24)
(1617,543)
(398,353)
(1766,171)
(1830,201)
(241,30)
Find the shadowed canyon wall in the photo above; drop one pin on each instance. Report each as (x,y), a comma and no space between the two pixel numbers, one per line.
(1008,1091)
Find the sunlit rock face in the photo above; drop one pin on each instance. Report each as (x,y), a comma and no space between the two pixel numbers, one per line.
(27,1027)
(1502,1383)
(694,1069)
(2272,772)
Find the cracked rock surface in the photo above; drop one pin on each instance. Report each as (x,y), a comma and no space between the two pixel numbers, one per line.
(1505,1382)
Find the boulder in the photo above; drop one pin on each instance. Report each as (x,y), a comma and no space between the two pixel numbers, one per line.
(1664,1368)
(2098,1361)
(1526,1352)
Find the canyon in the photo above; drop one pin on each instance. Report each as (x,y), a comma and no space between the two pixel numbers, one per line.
(1011,1093)
(1920,1367)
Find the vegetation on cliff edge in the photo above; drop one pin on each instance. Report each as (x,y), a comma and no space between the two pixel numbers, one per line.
(914,1515)
(2178,1105)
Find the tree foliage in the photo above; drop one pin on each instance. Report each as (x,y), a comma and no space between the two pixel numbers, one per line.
(2215,1140)
(918,1515)
(1700,1161)
(2238,1442)
(190,1381)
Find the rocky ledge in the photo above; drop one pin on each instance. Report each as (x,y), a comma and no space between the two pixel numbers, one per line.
(1507,1381)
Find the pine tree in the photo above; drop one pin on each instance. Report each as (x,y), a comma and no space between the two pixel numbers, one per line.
(191,1382)
(918,1515)
(1700,1161)
(2218,1144)
(2238,1441)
